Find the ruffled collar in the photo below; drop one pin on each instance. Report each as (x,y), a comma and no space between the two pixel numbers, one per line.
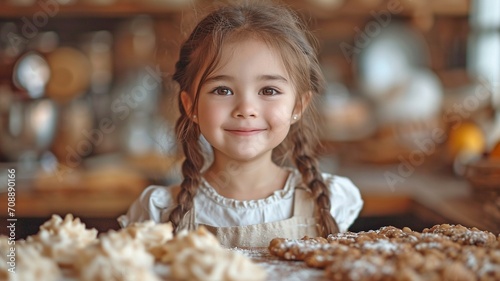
(287,191)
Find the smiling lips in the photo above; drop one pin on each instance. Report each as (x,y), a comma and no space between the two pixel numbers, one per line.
(244,131)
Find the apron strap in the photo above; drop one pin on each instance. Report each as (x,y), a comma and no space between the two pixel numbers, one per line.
(303,203)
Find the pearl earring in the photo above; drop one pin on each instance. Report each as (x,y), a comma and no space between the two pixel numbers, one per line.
(194,116)
(295,117)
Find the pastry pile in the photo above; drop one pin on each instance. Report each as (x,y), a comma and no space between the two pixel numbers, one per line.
(65,247)
(443,252)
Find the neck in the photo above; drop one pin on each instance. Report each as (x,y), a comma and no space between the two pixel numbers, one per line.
(246,180)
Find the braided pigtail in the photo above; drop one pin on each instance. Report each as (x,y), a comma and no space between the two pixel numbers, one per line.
(307,164)
(189,134)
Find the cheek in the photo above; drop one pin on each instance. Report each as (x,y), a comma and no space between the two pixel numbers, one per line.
(210,117)
(280,116)
(207,118)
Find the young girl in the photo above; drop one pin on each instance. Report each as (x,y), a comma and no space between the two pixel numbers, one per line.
(247,75)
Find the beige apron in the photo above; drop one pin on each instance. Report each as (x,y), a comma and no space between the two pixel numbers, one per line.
(301,223)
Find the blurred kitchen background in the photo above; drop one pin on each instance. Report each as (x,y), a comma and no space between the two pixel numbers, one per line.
(410,114)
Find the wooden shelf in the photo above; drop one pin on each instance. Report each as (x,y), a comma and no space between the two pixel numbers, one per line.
(366,9)
(126,9)
(118,10)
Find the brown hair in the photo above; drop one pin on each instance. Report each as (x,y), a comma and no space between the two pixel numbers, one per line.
(283,30)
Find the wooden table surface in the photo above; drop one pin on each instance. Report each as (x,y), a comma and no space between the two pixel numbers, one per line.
(275,268)
(278,269)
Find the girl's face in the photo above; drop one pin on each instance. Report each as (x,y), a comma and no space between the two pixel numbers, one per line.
(245,106)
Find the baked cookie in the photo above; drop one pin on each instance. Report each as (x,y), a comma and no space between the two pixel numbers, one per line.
(296,249)
(443,252)
(328,254)
(463,235)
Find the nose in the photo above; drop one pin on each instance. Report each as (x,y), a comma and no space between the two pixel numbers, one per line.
(246,107)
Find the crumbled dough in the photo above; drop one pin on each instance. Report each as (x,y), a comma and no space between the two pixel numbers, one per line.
(116,257)
(29,263)
(152,235)
(198,239)
(62,239)
(215,264)
(198,256)
(125,255)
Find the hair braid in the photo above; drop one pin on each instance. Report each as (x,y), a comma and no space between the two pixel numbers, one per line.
(307,164)
(189,134)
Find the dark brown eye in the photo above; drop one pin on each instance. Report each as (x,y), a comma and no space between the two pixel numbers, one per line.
(222,91)
(269,92)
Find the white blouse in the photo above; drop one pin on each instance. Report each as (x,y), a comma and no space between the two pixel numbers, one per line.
(156,203)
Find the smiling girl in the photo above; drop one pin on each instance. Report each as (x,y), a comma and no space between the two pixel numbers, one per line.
(247,75)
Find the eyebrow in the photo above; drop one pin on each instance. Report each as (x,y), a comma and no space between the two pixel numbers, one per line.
(268,77)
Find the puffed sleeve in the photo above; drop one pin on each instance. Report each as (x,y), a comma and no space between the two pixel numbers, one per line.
(345,199)
(155,203)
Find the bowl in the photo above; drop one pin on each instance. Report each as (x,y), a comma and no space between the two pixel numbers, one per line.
(484,175)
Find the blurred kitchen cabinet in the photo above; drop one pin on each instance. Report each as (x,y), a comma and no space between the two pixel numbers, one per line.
(348,29)
(337,23)
(23,22)
(98,52)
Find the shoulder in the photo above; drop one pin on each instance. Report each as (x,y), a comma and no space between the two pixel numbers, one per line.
(153,204)
(346,201)
(160,195)
(340,186)
(337,185)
